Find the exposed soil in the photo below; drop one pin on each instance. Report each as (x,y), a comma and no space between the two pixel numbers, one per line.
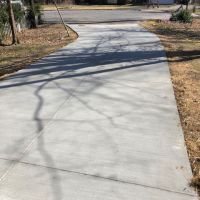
(34,44)
(182,45)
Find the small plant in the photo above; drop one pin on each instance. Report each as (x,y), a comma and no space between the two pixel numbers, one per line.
(183,16)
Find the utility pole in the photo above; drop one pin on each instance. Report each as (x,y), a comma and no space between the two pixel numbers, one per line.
(12,23)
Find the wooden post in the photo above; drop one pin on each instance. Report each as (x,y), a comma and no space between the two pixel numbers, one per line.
(61,18)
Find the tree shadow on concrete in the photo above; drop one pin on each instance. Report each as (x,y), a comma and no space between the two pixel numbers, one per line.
(80,64)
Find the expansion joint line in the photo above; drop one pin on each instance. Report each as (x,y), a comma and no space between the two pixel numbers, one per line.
(37,135)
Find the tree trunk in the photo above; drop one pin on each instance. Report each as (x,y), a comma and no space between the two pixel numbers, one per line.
(33,20)
(187,4)
(12,23)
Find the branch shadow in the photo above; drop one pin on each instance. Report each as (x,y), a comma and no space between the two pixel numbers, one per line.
(82,64)
(72,66)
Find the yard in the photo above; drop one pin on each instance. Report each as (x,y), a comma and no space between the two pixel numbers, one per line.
(34,44)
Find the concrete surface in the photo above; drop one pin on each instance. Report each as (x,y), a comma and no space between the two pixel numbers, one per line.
(98,16)
(95,120)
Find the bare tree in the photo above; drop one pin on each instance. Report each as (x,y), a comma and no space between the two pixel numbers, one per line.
(12,23)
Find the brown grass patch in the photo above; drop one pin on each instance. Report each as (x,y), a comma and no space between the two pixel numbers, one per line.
(182,45)
(34,44)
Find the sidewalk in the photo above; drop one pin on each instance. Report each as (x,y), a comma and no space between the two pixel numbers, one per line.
(95,120)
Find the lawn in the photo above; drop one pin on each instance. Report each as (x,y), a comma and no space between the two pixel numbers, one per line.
(34,44)
(182,45)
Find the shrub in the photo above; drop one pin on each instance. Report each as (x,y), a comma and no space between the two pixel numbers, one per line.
(38,12)
(30,15)
(4,19)
(122,2)
(3,22)
(182,16)
(18,12)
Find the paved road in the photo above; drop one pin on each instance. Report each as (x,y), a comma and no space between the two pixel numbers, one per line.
(93,16)
(96,120)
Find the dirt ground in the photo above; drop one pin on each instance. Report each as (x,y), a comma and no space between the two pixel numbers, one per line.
(182,45)
(34,44)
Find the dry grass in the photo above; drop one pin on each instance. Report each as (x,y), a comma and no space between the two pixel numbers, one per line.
(182,45)
(34,44)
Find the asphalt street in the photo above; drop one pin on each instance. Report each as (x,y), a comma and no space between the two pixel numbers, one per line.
(102,16)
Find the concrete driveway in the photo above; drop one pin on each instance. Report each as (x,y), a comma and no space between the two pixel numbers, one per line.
(95,120)
(97,16)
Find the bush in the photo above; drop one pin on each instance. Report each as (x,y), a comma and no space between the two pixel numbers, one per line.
(18,12)
(182,16)
(122,2)
(38,13)
(30,15)
(4,19)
